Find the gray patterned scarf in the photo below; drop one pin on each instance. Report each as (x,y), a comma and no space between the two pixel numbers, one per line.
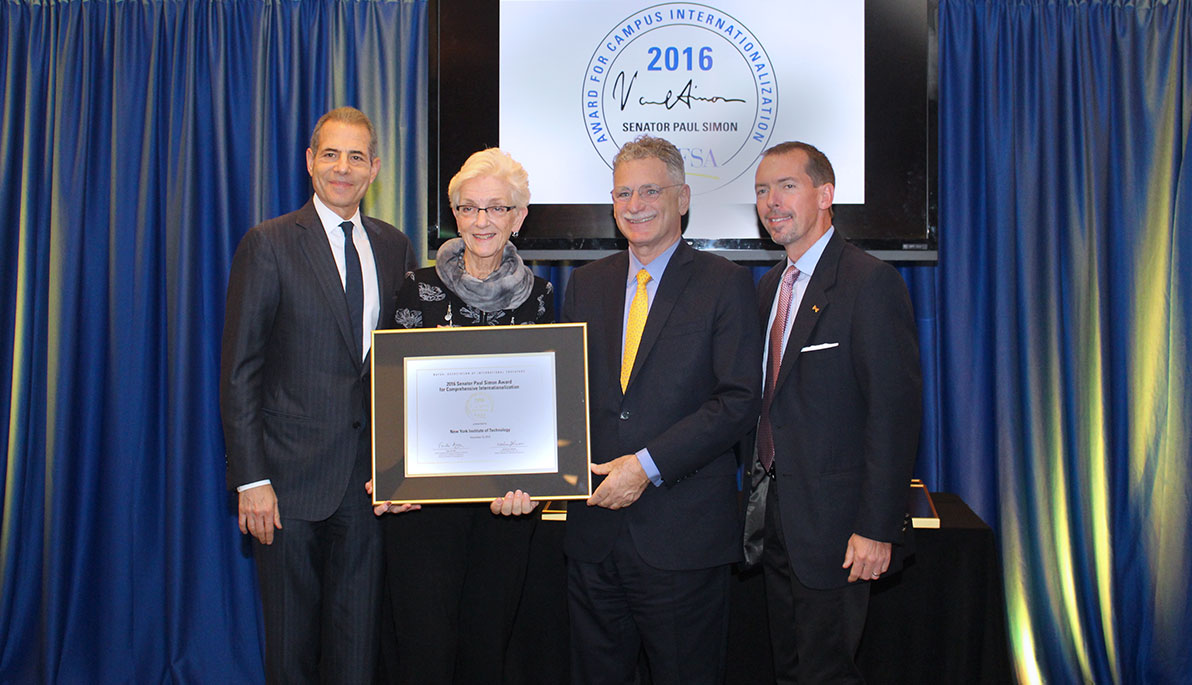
(507,287)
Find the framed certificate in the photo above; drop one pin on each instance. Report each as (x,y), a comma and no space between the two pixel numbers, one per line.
(468,414)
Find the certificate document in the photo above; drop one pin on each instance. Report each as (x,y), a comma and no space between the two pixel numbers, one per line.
(480,414)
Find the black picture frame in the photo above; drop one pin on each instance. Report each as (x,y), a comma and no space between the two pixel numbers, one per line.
(390,349)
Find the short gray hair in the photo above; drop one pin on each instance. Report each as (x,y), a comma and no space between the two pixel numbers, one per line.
(649,147)
(352,117)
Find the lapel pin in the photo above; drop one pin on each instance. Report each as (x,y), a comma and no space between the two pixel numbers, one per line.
(815,308)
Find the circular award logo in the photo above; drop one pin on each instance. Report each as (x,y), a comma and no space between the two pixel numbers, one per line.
(478,406)
(690,74)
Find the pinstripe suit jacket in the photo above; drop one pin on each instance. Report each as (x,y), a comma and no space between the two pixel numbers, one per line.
(293,391)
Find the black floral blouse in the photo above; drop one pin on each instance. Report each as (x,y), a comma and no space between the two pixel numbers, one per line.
(425,302)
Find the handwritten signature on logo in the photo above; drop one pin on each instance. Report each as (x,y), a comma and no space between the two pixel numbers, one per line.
(621,92)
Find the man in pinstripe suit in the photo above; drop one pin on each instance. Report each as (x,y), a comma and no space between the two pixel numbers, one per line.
(305,291)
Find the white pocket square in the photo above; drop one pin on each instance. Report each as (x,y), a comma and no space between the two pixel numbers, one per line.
(821,346)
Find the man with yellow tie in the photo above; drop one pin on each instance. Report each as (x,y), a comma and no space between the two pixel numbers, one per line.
(674,363)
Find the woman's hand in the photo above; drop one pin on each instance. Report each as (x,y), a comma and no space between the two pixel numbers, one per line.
(388,508)
(513,504)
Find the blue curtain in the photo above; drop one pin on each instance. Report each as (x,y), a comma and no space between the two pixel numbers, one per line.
(138,142)
(1064,319)
(140,139)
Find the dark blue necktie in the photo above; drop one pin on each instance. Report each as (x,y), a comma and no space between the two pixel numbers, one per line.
(353,287)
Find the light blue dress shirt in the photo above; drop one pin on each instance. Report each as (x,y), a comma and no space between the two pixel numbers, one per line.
(655,268)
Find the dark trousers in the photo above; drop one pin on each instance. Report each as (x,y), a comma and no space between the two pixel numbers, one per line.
(320,587)
(622,605)
(454,577)
(814,633)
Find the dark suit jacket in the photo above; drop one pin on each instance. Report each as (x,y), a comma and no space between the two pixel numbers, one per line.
(293,392)
(845,418)
(694,390)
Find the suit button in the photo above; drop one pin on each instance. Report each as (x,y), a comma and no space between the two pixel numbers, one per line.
(625,415)
(356,425)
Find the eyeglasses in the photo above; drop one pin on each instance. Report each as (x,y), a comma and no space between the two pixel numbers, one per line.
(496,211)
(648,193)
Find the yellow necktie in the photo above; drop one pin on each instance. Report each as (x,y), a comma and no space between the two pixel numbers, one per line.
(633,329)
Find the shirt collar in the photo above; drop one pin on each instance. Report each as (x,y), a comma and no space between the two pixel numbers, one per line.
(807,262)
(331,220)
(655,268)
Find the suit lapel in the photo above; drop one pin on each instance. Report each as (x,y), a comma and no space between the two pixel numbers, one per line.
(381,256)
(322,265)
(767,290)
(612,309)
(674,279)
(815,302)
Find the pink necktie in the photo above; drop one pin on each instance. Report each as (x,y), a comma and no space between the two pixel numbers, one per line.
(765,434)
